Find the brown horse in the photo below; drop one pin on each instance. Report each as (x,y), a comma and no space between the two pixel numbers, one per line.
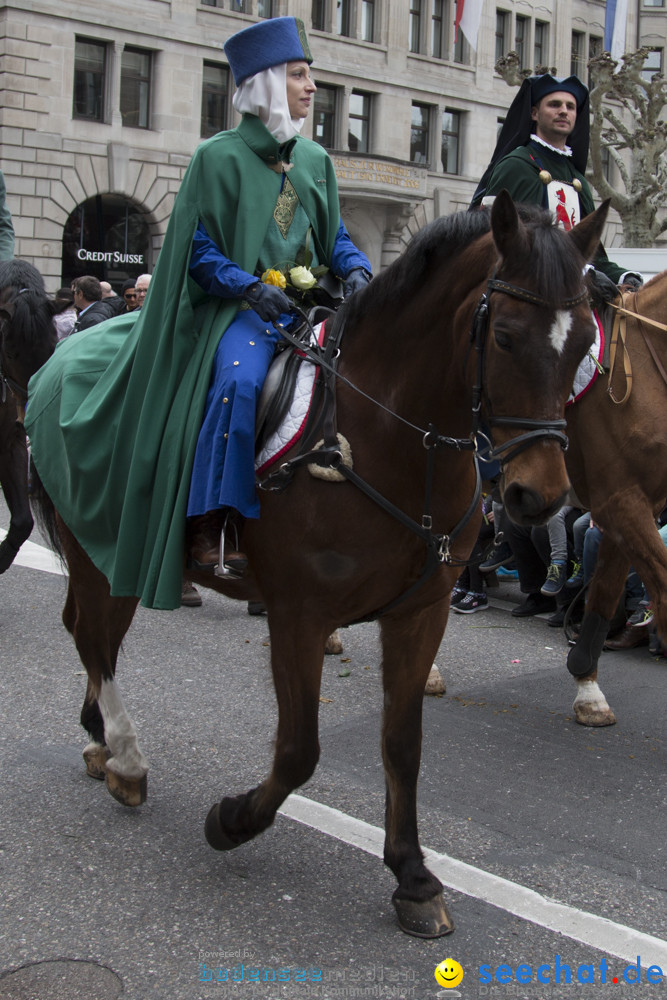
(27,339)
(617,461)
(324,553)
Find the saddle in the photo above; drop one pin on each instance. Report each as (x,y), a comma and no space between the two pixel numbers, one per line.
(280,385)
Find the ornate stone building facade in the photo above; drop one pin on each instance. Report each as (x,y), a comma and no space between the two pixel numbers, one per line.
(102,105)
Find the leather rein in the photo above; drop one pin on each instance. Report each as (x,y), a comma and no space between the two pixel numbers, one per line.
(438,546)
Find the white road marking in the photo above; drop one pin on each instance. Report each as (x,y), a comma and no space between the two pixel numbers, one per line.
(35,556)
(597,932)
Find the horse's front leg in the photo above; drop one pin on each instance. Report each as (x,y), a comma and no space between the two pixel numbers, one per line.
(605,590)
(409,647)
(297,653)
(14,483)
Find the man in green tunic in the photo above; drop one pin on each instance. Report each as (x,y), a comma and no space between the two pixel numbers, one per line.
(114,416)
(541,155)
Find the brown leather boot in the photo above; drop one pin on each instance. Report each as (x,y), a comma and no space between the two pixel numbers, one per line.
(204,542)
(203,535)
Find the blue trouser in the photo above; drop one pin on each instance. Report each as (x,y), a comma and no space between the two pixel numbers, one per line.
(223,474)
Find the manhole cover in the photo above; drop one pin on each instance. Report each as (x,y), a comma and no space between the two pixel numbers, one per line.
(63,979)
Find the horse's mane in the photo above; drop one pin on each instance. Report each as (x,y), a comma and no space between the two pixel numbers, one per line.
(446,237)
(22,287)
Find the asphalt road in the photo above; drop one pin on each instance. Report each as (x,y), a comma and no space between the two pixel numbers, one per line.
(100,902)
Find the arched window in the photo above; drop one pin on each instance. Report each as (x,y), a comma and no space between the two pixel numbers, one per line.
(106,236)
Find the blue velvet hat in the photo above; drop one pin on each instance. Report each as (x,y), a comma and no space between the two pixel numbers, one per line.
(268,43)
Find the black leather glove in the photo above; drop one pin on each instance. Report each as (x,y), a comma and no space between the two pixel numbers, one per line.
(601,287)
(268,301)
(356,279)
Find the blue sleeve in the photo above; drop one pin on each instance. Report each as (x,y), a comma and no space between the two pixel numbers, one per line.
(215,273)
(345,256)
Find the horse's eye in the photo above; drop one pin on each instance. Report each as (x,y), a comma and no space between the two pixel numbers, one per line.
(502,340)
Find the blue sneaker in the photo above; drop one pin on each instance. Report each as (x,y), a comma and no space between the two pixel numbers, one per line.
(555,581)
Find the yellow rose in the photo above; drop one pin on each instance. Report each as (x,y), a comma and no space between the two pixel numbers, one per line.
(273,277)
(302,278)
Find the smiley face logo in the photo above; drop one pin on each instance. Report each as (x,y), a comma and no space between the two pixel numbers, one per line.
(448,974)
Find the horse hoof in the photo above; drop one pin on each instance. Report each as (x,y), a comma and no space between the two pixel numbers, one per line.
(96,756)
(429,919)
(214,831)
(435,686)
(587,716)
(127,791)
(334,646)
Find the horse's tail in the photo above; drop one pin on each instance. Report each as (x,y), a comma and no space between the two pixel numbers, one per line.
(44,512)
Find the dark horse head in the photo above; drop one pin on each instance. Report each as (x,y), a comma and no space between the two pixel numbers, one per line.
(540,328)
(27,334)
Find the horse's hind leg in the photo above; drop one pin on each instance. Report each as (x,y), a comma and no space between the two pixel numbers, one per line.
(98,623)
(409,648)
(297,652)
(629,535)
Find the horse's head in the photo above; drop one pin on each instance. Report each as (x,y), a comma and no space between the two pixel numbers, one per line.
(27,334)
(540,328)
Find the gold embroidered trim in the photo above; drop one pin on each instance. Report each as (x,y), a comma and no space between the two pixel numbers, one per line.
(286,207)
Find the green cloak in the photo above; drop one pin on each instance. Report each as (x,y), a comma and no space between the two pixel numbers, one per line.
(113,417)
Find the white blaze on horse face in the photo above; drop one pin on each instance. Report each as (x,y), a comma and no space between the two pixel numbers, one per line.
(120,733)
(560,330)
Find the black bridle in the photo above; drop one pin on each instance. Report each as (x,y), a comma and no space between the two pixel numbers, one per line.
(536,430)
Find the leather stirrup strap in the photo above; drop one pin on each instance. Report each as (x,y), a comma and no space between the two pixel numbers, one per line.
(618,336)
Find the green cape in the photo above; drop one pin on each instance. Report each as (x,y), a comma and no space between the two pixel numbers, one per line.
(113,416)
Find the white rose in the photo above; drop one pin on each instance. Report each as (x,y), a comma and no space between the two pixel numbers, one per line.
(302,278)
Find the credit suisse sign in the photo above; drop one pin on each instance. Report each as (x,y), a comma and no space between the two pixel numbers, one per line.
(110,257)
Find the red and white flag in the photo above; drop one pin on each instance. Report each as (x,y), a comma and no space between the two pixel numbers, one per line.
(468,16)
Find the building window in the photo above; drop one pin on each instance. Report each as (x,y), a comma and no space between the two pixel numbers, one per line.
(652,64)
(264,8)
(415,25)
(461,49)
(438,42)
(577,59)
(90,69)
(240,6)
(451,141)
(343,20)
(502,33)
(419,133)
(359,122)
(135,87)
(541,46)
(594,50)
(214,94)
(654,3)
(324,117)
(521,32)
(318,15)
(368,20)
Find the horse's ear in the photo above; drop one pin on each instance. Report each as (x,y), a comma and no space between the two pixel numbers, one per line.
(587,233)
(509,233)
